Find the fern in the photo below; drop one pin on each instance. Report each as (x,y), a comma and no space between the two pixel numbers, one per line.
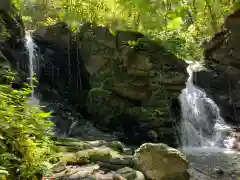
(24,144)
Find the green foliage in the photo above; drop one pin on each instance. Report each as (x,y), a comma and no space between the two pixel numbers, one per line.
(180,25)
(24,135)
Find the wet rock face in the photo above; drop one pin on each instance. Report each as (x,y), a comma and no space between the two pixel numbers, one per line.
(11,23)
(60,65)
(11,38)
(222,58)
(133,88)
(58,34)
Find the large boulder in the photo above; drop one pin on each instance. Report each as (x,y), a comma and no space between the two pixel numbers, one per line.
(140,74)
(133,82)
(57,34)
(221,79)
(161,162)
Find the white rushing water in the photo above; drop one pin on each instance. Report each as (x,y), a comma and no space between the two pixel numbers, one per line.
(201,126)
(32,63)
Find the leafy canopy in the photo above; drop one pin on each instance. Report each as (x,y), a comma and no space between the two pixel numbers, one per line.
(180,24)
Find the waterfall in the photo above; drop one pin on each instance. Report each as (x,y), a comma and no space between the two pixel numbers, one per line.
(32,62)
(201,125)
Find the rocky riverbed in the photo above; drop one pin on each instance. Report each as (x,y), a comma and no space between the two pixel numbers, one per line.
(213,163)
(113,161)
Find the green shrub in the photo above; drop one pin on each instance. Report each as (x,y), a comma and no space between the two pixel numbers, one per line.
(25,143)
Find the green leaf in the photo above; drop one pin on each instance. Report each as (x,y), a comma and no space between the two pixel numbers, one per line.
(2,168)
(9,156)
(4,172)
(44,114)
(175,23)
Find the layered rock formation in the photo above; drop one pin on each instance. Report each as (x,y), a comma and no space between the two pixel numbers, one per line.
(11,36)
(221,80)
(133,88)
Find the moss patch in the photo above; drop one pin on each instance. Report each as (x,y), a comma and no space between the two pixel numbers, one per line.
(154,117)
(117,146)
(87,156)
(105,106)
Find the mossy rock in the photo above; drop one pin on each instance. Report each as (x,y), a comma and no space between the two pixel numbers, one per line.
(70,145)
(130,174)
(58,33)
(10,21)
(148,117)
(87,156)
(117,146)
(155,124)
(133,88)
(105,107)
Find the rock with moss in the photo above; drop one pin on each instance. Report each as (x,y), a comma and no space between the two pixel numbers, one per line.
(124,70)
(12,27)
(70,145)
(117,146)
(89,160)
(12,34)
(221,79)
(130,174)
(139,124)
(85,156)
(97,46)
(76,151)
(58,34)
(155,123)
(136,70)
(105,107)
(161,162)
(63,60)
(87,172)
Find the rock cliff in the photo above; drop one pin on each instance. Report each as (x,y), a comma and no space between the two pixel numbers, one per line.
(11,36)
(221,80)
(132,82)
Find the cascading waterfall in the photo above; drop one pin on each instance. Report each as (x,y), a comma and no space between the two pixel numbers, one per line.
(202,125)
(32,62)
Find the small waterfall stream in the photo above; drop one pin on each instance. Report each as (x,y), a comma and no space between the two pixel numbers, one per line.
(202,125)
(32,63)
(205,136)
(66,120)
